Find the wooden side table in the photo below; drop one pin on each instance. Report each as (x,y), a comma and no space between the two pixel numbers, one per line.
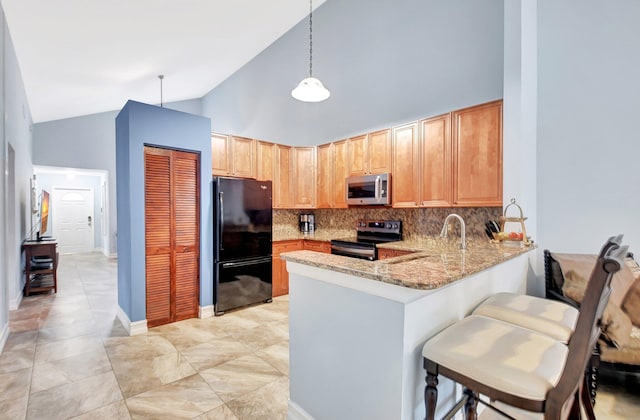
(40,266)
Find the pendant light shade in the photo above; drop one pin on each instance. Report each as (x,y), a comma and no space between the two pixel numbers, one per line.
(310,89)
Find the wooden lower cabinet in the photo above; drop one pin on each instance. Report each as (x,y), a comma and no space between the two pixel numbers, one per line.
(318,246)
(390,253)
(172,235)
(280,276)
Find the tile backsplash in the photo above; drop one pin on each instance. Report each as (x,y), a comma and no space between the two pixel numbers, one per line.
(416,223)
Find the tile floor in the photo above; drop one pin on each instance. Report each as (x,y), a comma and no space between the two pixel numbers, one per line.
(68,357)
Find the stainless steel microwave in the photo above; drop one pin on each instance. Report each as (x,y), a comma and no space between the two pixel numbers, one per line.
(369,190)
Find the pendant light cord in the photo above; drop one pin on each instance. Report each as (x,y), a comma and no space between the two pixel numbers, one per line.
(310,39)
(161,76)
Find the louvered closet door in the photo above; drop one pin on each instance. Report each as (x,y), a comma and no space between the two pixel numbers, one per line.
(187,243)
(171,235)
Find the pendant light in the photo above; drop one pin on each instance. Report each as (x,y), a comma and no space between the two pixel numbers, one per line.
(310,89)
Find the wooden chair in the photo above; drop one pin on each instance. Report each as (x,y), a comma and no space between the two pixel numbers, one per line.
(553,315)
(516,365)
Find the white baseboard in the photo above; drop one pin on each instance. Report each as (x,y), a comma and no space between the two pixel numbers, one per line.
(295,412)
(15,302)
(4,336)
(205,312)
(133,328)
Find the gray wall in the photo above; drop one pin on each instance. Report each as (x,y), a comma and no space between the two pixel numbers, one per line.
(88,142)
(588,141)
(138,125)
(384,62)
(15,156)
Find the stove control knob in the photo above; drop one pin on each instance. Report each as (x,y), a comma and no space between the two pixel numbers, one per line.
(388,225)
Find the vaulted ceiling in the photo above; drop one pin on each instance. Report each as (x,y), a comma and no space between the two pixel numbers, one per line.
(80,57)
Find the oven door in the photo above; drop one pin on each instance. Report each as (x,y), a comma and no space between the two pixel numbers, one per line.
(366,251)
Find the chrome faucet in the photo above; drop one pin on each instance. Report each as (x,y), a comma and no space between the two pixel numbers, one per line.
(463,235)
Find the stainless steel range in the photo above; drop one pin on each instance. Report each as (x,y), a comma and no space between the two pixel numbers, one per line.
(369,233)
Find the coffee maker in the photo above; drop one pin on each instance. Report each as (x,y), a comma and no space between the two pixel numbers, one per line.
(307,223)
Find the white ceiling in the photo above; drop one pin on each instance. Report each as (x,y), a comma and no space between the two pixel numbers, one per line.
(80,57)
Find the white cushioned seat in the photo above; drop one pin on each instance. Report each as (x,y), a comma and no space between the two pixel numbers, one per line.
(500,355)
(553,318)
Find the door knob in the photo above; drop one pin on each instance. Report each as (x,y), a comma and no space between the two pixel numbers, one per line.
(89,220)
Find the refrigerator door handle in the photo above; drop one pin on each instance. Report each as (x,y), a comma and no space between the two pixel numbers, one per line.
(221,198)
(245,263)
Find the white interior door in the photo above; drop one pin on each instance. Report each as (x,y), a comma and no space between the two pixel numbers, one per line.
(72,210)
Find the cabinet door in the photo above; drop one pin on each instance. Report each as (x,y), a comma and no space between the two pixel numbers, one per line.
(282,184)
(340,174)
(477,141)
(279,274)
(406,169)
(358,155)
(243,159)
(324,198)
(379,152)
(220,146)
(265,161)
(304,177)
(435,157)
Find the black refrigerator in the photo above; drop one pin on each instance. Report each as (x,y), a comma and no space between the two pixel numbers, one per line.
(242,242)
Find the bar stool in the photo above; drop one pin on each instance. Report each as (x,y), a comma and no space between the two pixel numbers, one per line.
(554,318)
(516,365)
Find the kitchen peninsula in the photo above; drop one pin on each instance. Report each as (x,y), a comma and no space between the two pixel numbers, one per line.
(357,327)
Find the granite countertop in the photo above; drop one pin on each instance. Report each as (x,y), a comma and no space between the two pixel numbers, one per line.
(435,262)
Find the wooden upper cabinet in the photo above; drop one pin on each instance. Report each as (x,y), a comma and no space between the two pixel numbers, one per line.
(233,156)
(324,198)
(282,194)
(477,155)
(265,161)
(220,149)
(357,152)
(332,173)
(243,157)
(340,174)
(370,153)
(435,161)
(405,178)
(379,151)
(303,177)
